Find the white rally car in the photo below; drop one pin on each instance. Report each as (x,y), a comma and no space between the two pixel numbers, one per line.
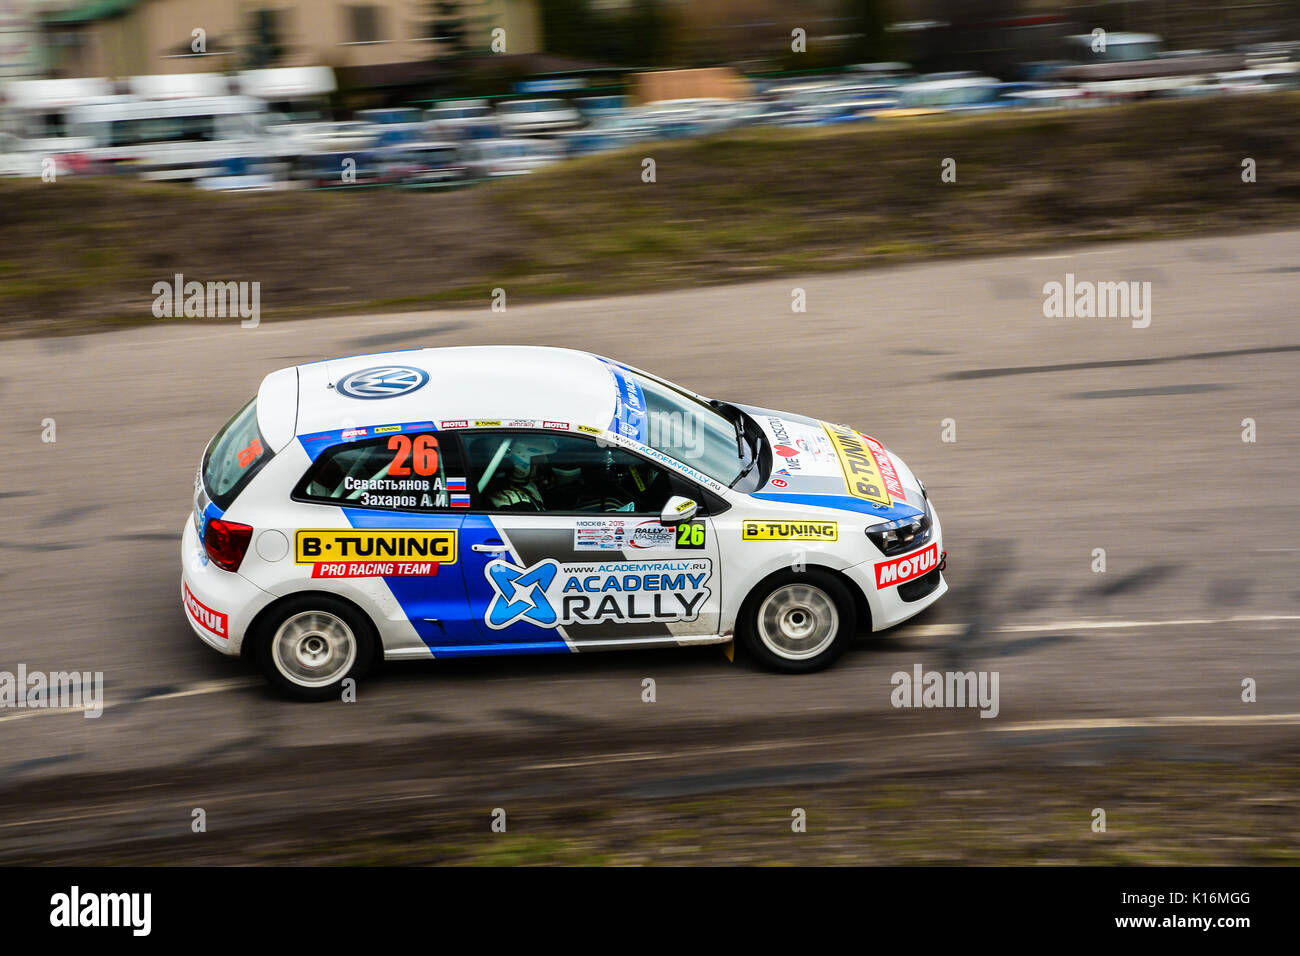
(470,501)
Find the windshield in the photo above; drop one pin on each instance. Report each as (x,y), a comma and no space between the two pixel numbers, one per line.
(685,428)
(234,456)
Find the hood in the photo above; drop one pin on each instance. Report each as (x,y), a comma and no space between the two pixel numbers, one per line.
(824,465)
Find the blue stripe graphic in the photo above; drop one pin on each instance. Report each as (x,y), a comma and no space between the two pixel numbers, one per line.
(842,503)
(629,412)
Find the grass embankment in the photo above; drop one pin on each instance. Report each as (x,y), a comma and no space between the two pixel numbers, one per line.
(81,254)
(1157,813)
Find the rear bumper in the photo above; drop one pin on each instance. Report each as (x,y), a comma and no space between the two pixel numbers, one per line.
(219,605)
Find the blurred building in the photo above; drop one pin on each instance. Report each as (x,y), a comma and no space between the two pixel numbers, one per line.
(387,39)
(20,41)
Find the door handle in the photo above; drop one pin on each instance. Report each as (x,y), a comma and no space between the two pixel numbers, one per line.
(490,548)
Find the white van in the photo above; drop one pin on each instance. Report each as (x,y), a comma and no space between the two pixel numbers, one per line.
(37,111)
(180,139)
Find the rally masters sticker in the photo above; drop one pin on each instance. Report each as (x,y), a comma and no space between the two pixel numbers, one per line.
(789,531)
(862,474)
(550,594)
(358,553)
(623,534)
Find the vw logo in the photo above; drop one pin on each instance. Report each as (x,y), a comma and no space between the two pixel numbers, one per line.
(382,381)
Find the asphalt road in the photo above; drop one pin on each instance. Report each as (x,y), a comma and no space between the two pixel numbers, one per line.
(1072,434)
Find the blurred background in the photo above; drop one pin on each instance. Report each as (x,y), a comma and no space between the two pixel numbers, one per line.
(436,93)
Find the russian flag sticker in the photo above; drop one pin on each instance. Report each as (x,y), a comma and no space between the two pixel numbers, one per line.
(460,501)
(455,484)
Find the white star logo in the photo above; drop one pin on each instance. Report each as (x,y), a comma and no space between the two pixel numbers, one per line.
(524,593)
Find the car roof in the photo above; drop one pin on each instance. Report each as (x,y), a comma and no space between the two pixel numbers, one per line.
(466,384)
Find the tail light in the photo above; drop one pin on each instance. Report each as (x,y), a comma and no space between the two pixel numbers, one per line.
(226,543)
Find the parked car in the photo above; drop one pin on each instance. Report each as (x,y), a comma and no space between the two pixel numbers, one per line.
(391,116)
(353,167)
(327,137)
(532,117)
(491,158)
(472,119)
(423,164)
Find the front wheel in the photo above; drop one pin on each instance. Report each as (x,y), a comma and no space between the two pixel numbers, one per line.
(798,623)
(312,644)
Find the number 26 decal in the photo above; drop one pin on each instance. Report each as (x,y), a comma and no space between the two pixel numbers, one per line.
(423,454)
(690,534)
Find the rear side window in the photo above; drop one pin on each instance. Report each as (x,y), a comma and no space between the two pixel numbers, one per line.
(234,456)
(413,471)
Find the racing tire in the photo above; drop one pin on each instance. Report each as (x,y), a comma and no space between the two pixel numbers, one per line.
(798,623)
(309,645)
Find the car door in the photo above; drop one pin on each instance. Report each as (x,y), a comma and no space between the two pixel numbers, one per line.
(564,549)
(391,537)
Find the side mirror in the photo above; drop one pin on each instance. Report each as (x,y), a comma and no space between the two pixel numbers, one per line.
(677,510)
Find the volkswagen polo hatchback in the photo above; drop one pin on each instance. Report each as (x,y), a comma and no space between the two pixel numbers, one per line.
(507,500)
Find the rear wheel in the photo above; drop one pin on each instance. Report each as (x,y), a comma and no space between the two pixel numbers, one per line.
(310,645)
(798,623)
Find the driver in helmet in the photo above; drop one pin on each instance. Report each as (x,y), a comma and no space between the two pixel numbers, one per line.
(517,485)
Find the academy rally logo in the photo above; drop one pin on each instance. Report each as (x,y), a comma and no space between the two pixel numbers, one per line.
(550,594)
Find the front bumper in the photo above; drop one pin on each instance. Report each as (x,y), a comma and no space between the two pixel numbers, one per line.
(895,603)
(888,608)
(219,605)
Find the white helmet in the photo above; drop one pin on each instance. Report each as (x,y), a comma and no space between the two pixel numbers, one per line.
(522,451)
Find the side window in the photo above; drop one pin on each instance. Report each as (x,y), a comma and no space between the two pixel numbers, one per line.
(562,473)
(234,456)
(411,471)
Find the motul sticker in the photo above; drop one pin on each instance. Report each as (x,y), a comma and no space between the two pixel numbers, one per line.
(900,570)
(211,621)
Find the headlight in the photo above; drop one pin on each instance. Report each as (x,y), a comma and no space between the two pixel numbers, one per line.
(903,534)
